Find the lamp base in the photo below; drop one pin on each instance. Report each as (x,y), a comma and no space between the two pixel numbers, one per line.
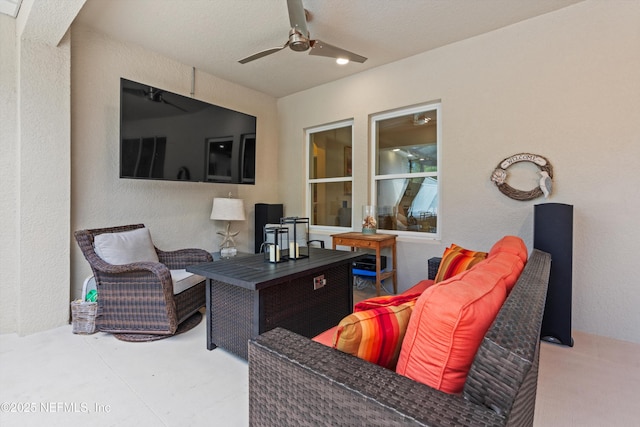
(228,252)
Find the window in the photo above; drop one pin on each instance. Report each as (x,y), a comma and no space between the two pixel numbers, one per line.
(405,148)
(329,174)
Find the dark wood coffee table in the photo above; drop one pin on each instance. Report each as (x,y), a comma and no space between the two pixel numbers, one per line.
(247,296)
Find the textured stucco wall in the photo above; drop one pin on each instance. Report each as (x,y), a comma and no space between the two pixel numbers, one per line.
(177,213)
(564,85)
(44,173)
(36,166)
(35,179)
(8,176)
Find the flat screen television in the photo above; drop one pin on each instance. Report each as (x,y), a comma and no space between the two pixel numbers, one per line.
(166,136)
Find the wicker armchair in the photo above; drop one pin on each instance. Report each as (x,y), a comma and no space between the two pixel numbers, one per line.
(138,298)
(295,381)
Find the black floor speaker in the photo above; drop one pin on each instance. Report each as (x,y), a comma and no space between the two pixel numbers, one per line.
(265,214)
(553,233)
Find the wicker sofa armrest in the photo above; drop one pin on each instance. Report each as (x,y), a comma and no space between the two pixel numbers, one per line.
(433,265)
(296,381)
(183,257)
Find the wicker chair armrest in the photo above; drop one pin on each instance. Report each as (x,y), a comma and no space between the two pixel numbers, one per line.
(100,265)
(296,381)
(433,265)
(145,290)
(183,257)
(122,273)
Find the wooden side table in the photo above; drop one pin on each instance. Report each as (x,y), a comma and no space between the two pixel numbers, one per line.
(372,241)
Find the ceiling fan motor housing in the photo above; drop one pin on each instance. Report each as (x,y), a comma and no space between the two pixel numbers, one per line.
(297,41)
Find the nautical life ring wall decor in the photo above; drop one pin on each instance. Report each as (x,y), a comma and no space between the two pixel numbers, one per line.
(499,177)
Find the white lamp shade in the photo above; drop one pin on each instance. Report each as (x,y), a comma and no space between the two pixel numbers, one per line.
(227,209)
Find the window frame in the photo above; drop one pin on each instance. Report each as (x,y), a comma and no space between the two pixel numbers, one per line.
(374,177)
(310,181)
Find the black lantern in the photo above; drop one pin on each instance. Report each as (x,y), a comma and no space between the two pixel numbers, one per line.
(276,244)
(299,228)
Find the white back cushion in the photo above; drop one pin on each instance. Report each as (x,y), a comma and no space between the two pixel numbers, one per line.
(125,247)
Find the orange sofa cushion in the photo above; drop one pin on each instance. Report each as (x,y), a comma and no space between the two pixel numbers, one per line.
(326,337)
(385,301)
(419,287)
(513,255)
(457,259)
(509,265)
(510,244)
(448,324)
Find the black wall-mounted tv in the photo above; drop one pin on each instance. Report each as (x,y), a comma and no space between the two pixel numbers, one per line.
(167,136)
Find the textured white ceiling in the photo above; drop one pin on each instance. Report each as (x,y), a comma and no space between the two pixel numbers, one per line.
(212,35)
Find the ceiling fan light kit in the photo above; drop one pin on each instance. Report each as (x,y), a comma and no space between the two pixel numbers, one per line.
(300,40)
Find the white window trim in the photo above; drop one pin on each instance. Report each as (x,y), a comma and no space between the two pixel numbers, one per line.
(374,177)
(308,202)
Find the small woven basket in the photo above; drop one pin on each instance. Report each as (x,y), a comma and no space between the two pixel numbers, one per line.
(83,317)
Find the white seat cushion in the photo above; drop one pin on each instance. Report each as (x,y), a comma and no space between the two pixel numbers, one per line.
(183,280)
(125,247)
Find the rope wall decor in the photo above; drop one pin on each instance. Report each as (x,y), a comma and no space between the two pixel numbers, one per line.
(499,177)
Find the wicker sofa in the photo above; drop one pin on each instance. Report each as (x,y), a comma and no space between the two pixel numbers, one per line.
(295,381)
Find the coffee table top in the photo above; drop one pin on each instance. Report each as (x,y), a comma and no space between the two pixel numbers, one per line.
(254,273)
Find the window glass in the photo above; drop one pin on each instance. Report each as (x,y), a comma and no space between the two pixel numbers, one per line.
(408,204)
(405,145)
(330,153)
(327,209)
(330,179)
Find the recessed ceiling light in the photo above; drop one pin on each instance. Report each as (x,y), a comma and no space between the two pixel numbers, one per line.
(342,61)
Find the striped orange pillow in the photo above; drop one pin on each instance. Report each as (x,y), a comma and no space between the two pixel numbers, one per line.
(457,259)
(375,335)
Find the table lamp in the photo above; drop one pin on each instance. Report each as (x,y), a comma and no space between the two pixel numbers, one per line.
(227,209)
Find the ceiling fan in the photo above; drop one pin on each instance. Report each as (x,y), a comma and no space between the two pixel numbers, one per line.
(153,95)
(300,39)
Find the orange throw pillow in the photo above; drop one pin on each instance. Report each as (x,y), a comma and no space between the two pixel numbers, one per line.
(457,259)
(447,326)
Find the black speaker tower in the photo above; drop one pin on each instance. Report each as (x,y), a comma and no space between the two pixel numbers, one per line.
(553,233)
(265,214)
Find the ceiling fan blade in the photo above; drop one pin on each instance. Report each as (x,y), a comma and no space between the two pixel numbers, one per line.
(173,105)
(262,53)
(321,48)
(297,17)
